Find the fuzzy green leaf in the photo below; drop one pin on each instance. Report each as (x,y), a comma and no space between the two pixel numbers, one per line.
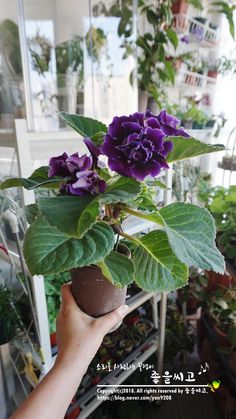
(156,268)
(185,148)
(118,269)
(191,234)
(38,179)
(87,127)
(31,212)
(76,215)
(47,250)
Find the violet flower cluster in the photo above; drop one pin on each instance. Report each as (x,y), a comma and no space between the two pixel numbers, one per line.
(78,171)
(136,146)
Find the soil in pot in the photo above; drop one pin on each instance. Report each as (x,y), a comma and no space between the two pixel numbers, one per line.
(94,294)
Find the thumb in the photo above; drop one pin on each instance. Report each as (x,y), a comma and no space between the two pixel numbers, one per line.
(108,321)
(66,295)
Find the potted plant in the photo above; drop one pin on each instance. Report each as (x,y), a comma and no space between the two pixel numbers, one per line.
(78,229)
(143,326)
(9,316)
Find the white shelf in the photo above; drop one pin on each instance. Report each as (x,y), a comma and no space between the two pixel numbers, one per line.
(195,81)
(196,31)
(89,402)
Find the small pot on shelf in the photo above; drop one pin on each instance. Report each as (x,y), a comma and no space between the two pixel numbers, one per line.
(212,73)
(143,326)
(127,345)
(179,7)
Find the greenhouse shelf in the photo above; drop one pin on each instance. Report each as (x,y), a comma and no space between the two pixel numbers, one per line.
(133,302)
(196,31)
(195,81)
(89,402)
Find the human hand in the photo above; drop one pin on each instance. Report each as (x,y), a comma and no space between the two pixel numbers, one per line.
(79,335)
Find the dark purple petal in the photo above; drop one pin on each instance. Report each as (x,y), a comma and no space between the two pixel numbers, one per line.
(154,168)
(108,147)
(153,122)
(165,119)
(131,127)
(139,117)
(57,166)
(139,172)
(156,136)
(168,147)
(93,149)
(119,166)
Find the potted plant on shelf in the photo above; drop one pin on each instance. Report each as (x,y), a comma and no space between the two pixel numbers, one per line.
(9,315)
(78,229)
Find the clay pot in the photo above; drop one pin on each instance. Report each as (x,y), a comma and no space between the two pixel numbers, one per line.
(222,337)
(179,6)
(142,100)
(213,74)
(95,294)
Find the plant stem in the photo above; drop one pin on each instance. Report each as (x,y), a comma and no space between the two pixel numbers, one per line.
(128,237)
(148,217)
(117,242)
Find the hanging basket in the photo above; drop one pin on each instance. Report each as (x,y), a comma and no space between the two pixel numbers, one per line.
(228,163)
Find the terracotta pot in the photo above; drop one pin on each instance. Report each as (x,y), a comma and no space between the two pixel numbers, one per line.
(215,280)
(179,6)
(94,294)
(222,337)
(142,100)
(213,74)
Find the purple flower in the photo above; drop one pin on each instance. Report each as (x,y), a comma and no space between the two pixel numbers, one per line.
(169,125)
(198,33)
(94,150)
(87,181)
(135,145)
(65,165)
(78,173)
(58,167)
(185,39)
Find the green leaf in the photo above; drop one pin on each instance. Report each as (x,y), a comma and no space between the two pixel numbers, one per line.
(185,148)
(191,234)
(64,212)
(48,251)
(87,127)
(157,183)
(156,268)
(121,190)
(172,36)
(170,71)
(31,212)
(39,178)
(118,269)
(76,215)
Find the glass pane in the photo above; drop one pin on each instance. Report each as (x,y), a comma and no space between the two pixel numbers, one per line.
(78,60)
(11,77)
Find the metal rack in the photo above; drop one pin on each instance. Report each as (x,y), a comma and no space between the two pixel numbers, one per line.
(31,147)
(197,31)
